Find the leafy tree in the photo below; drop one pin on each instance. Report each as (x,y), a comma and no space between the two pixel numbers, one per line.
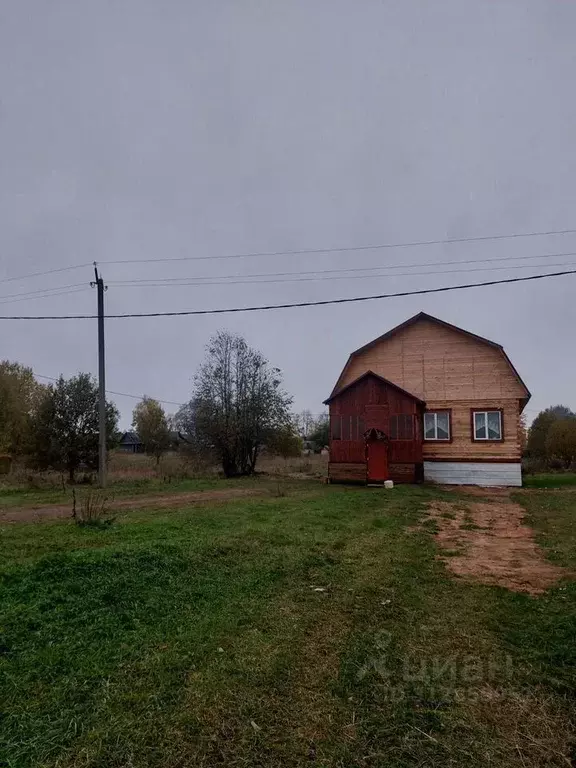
(150,422)
(562,412)
(561,441)
(538,432)
(238,403)
(320,434)
(285,442)
(65,426)
(20,394)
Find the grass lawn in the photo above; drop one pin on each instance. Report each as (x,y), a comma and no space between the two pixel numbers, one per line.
(14,496)
(550,480)
(312,628)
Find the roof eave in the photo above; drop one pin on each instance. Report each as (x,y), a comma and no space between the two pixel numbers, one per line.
(381,379)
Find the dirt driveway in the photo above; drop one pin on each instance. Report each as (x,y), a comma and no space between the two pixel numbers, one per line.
(489,542)
(156,501)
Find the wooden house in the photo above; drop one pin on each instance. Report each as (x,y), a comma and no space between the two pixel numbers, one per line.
(130,443)
(427,401)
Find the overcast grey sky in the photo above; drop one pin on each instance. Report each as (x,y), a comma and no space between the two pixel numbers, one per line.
(133,129)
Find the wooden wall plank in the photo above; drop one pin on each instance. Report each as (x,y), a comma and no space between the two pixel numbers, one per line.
(433,362)
(462,445)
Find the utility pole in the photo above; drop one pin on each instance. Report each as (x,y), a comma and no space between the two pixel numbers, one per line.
(102,454)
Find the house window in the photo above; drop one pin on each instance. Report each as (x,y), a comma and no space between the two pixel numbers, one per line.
(437,425)
(347,427)
(336,427)
(487,425)
(402,426)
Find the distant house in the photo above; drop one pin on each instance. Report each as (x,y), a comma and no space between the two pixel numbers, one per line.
(131,443)
(427,401)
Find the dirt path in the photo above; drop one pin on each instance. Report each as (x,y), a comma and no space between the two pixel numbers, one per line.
(491,544)
(158,501)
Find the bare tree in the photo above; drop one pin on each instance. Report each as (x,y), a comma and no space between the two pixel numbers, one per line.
(305,422)
(238,403)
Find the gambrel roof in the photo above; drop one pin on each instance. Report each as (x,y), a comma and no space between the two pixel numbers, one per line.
(430,318)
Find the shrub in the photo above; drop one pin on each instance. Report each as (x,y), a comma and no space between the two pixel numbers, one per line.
(92,509)
(532,465)
(561,442)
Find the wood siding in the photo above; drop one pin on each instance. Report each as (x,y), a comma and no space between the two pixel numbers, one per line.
(462,446)
(356,473)
(449,370)
(436,363)
(347,473)
(375,403)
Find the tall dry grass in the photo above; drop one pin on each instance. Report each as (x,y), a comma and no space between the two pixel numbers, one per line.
(173,467)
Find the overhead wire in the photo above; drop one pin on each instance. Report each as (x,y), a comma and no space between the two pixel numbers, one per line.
(302,251)
(348,270)
(343,249)
(42,290)
(138,284)
(47,272)
(119,394)
(46,296)
(292,276)
(300,304)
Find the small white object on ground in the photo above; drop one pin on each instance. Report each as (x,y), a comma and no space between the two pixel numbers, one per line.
(319,589)
(388,483)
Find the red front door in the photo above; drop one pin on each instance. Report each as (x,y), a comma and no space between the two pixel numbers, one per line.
(377,457)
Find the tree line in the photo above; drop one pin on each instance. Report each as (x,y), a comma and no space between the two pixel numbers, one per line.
(552,437)
(238,408)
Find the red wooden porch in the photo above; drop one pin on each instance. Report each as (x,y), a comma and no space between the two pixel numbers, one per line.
(375,433)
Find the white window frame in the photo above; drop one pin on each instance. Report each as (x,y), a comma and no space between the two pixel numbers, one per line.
(487,438)
(437,439)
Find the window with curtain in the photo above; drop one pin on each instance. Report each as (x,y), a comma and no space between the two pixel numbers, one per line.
(487,425)
(437,425)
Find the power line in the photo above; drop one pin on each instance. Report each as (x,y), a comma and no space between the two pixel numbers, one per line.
(47,295)
(112,392)
(137,284)
(324,302)
(413,244)
(42,274)
(174,280)
(340,249)
(334,274)
(41,290)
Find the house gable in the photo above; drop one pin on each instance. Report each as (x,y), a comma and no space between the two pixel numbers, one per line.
(371,375)
(437,361)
